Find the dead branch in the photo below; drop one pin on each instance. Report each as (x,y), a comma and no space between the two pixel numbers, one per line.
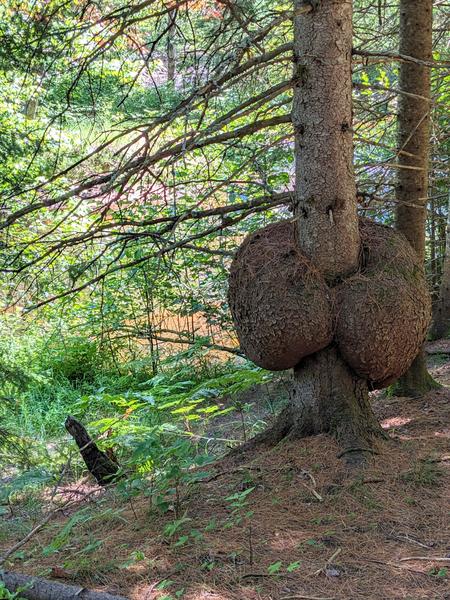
(426,558)
(36,588)
(402,57)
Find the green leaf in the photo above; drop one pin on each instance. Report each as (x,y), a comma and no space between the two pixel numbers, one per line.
(274,567)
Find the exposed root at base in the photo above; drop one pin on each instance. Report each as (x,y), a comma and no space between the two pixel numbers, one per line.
(355,453)
(326,397)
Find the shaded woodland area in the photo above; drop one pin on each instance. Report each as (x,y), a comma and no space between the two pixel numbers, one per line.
(225,292)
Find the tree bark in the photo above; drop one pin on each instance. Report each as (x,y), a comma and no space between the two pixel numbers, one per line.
(326,396)
(36,588)
(99,464)
(325,194)
(433,252)
(413,137)
(441,320)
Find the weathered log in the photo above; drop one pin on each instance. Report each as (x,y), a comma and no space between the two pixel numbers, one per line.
(98,462)
(36,588)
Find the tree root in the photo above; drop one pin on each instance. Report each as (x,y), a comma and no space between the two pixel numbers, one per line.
(284,430)
(326,397)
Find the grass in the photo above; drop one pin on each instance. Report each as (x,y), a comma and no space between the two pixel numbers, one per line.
(425,473)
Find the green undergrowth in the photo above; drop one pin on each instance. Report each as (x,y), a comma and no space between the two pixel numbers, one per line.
(159,426)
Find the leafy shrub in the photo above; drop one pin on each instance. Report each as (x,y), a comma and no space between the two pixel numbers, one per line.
(76,359)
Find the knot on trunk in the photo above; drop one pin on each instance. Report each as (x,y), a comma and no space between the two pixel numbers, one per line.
(283,309)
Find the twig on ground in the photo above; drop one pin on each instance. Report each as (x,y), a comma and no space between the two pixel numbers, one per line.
(329,561)
(38,528)
(395,566)
(427,558)
(312,490)
(409,539)
(297,597)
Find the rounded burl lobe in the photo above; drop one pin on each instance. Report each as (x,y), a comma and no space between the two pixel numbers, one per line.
(280,303)
(384,310)
(283,309)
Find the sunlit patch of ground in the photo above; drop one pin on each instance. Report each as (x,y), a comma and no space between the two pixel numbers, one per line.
(308,528)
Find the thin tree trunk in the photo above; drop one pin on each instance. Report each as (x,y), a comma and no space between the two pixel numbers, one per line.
(171,47)
(433,253)
(441,320)
(413,137)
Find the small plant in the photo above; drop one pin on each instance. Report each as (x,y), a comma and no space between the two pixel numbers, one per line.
(424,473)
(240,515)
(5,594)
(136,556)
(238,503)
(277,566)
(293,566)
(312,544)
(274,567)
(442,573)
(171,528)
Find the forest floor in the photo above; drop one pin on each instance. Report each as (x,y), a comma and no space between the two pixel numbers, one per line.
(287,524)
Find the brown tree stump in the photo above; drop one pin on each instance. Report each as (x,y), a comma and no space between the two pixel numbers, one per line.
(98,462)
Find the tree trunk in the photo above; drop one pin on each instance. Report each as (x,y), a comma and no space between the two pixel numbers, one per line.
(413,137)
(433,252)
(416,381)
(326,395)
(325,195)
(441,320)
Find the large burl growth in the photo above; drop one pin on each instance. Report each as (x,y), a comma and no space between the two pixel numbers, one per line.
(284,310)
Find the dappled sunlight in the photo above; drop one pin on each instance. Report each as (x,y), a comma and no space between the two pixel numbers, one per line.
(395,422)
(204,594)
(285,540)
(224,241)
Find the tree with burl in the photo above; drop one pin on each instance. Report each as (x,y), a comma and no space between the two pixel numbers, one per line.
(341,300)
